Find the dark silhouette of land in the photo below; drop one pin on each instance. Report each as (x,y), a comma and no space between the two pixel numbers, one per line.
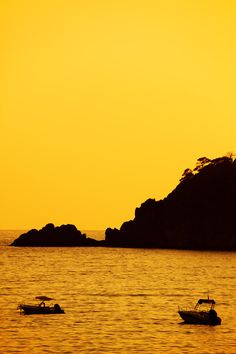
(198,214)
(51,236)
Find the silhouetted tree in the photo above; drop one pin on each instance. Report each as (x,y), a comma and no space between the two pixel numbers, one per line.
(201,162)
(188,173)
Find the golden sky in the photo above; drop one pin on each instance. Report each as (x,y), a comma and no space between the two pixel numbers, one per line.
(105,103)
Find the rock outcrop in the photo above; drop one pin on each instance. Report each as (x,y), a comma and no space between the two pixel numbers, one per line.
(198,214)
(51,236)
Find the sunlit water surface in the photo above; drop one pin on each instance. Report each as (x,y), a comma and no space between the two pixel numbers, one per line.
(115,300)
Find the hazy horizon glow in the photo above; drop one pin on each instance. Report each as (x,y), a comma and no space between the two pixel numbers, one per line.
(104,104)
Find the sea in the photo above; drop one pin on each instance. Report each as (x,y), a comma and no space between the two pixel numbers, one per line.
(115,300)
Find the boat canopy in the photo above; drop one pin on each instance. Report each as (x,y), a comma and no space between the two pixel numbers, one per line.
(206,301)
(43,298)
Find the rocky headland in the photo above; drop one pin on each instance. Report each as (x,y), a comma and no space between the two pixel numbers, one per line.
(198,214)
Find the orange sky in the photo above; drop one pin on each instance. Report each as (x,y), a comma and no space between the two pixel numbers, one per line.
(105,103)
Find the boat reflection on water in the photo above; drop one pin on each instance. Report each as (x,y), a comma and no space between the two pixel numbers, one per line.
(202,313)
(41,308)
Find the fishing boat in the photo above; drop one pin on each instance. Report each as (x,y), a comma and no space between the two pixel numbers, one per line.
(41,308)
(202,313)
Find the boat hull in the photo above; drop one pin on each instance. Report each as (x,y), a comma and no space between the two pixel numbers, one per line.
(199,317)
(40,310)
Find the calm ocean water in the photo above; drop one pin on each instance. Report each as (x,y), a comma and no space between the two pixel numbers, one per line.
(116,300)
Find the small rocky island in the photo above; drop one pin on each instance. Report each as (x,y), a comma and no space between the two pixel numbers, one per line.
(51,236)
(199,214)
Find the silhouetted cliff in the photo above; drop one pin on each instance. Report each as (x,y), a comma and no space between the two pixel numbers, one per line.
(49,235)
(198,214)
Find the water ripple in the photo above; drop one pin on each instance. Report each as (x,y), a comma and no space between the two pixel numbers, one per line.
(116,301)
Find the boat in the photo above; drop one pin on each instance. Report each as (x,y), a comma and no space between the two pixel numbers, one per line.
(202,313)
(40,308)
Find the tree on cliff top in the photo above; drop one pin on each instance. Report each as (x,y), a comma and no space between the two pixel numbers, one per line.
(203,162)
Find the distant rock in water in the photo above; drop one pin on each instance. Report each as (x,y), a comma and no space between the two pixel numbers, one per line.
(199,214)
(51,236)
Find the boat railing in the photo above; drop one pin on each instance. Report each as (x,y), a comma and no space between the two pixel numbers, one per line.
(185,308)
(206,306)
